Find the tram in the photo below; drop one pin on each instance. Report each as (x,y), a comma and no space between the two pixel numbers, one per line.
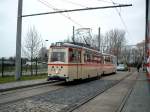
(71,61)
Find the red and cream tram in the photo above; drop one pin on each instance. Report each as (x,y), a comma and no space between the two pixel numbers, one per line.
(76,61)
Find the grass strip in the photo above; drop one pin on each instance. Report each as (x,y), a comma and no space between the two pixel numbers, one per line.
(7,79)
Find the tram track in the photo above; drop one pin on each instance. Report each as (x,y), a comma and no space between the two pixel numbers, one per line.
(30,87)
(84,101)
(9,89)
(23,93)
(126,97)
(64,98)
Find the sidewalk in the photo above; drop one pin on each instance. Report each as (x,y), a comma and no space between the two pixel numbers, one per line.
(115,99)
(21,84)
(139,100)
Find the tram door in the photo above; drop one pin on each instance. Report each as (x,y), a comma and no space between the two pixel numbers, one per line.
(75,59)
(79,67)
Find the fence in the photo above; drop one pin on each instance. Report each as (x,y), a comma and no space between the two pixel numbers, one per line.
(7,67)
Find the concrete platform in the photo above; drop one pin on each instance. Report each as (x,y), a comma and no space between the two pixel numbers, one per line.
(139,100)
(116,100)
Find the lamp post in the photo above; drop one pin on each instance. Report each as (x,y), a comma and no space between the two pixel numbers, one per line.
(46,52)
(46,42)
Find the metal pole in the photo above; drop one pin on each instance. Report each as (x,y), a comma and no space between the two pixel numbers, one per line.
(2,66)
(21,66)
(36,65)
(147,37)
(73,35)
(99,39)
(18,41)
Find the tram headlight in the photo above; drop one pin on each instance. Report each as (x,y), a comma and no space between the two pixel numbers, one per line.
(56,71)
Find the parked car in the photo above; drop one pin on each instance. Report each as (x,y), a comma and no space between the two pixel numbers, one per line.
(122,67)
(29,63)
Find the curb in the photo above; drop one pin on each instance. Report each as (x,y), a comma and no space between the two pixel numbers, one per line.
(126,97)
(23,86)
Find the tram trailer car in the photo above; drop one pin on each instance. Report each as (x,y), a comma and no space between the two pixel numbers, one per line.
(109,63)
(69,62)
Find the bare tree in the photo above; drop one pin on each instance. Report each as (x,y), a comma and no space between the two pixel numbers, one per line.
(114,41)
(111,43)
(32,44)
(141,47)
(43,54)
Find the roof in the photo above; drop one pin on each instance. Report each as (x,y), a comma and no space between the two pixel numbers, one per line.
(106,54)
(75,45)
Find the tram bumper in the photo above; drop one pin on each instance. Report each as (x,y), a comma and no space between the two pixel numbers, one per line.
(56,77)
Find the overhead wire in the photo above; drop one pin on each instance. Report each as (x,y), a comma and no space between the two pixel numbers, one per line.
(123,22)
(68,17)
(74,3)
(56,9)
(107,1)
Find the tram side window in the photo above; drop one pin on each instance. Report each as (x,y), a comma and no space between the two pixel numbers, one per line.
(85,57)
(93,58)
(79,56)
(107,59)
(74,56)
(99,59)
(111,60)
(71,55)
(88,58)
(58,56)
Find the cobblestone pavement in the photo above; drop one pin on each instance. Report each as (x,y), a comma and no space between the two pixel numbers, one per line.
(23,93)
(57,100)
(30,105)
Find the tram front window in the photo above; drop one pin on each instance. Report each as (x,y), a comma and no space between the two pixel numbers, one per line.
(58,56)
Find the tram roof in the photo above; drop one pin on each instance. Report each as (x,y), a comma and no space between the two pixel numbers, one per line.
(106,54)
(75,45)
(79,45)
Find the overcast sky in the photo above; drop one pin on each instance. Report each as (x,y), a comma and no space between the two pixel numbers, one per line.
(58,27)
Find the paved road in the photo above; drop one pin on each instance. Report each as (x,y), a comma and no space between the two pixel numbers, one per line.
(55,100)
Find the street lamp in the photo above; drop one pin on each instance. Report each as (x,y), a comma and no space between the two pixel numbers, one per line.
(46,41)
(46,55)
